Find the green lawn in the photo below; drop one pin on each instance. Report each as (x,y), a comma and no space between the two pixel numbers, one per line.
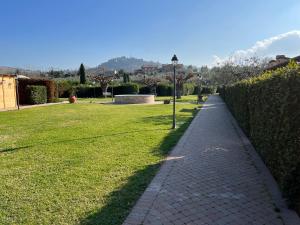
(185,99)
(81,163)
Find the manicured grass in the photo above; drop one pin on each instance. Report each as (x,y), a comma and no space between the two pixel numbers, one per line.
(81,163)
(185,99)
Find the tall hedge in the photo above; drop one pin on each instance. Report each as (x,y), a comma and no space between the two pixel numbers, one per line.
(88,92)
(128,88)
(49,84)
(164,90)
(268,109)
(36,94)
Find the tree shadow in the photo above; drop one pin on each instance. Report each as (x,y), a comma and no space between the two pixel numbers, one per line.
(5,150)
(120,202)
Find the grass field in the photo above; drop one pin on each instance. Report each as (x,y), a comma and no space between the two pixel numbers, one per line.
(185,99)
(81,163)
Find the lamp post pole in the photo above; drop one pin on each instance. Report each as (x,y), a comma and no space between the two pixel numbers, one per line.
(112,87)
(174,61)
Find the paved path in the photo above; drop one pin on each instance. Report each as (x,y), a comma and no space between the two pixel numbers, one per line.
(214,177)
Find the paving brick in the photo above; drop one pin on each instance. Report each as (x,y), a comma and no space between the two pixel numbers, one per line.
(209,178)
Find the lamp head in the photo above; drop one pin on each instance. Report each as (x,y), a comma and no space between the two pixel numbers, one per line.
(174,60)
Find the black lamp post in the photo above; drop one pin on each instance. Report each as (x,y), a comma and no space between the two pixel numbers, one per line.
(112,86)
(174,62)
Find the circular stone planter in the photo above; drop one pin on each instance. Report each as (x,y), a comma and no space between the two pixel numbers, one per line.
(134,99)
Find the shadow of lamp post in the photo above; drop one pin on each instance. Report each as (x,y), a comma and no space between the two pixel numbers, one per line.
(174,62)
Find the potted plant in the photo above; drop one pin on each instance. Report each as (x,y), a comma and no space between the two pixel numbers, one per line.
(72,99)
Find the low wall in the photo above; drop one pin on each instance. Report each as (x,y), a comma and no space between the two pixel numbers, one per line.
(134,99)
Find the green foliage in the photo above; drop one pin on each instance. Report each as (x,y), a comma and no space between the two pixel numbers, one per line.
(49,84)
(268,109)
(128,88)
(126,78)
(164,90)
(36,94)
(145,90)
(188,89)
(208,90)
(84,91)
(81,74)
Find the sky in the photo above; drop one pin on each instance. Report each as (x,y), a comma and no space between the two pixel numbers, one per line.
(61,34)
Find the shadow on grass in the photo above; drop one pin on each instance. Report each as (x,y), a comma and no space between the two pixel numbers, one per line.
(120,202)
(75,139)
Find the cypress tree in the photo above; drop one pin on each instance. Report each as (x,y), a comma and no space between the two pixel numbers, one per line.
(81,73)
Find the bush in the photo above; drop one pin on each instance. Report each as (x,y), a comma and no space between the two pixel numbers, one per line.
(66,88)
(145,90)
(36,94)
(188,89)
(49,84)
(164,90)
(88,92)
(208,90)
(268,109)
(128,88)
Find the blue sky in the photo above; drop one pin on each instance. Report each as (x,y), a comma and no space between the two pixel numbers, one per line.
(62,34)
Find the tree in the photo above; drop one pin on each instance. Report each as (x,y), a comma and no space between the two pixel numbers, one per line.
(181,78)
(104,81)
(151,83)
(81,73)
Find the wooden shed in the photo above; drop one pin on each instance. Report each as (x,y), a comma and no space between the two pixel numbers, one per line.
(8,99)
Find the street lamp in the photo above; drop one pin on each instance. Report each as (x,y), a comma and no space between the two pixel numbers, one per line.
(174,62)
(112,87)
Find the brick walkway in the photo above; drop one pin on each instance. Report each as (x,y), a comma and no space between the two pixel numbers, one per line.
(214,177)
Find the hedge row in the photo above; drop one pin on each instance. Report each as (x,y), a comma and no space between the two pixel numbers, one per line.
(36,94)
(127,88)
(268,109)
(86,91)
(49,84)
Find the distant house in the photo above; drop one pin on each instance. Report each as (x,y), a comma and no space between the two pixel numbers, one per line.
(8,99)
(169,67)
(281,61)
(149,69)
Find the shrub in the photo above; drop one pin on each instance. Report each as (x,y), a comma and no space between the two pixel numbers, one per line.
(88,92)
(268,109)
(208,90)
(36,94)
(164,90)
(188,88)
(128,88)
(65,88)
(49,84)
(145,90)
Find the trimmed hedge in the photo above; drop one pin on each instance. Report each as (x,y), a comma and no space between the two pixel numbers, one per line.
(88,92)
(49,84)
(145,90)
(164,90)
(268,109)
(36,94)
(128,88)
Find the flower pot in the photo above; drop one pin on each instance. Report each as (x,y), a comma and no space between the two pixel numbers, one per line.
(72,99)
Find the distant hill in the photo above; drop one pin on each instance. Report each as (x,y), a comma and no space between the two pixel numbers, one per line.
(125,63)
(129,64)
(7,70)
